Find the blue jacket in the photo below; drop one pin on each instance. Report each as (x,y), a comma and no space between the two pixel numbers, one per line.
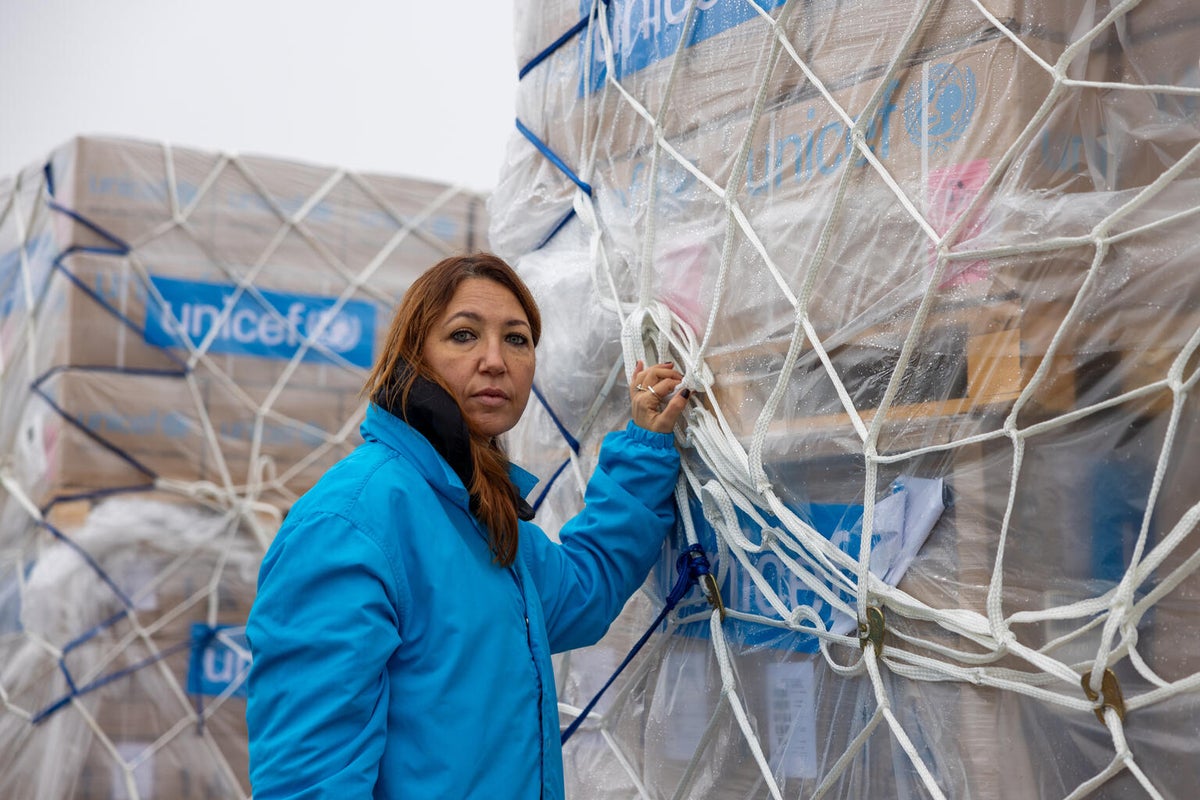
(393,658)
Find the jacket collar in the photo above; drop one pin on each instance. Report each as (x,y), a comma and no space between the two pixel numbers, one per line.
(523,481)
(434,414)
(388,429)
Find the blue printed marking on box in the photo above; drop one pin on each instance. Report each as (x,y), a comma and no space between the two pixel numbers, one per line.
(220,659)
(903,520)
(647,31)
(254,329)
(841,524)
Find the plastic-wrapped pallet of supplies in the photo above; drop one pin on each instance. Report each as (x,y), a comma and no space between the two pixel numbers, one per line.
(129,653)
(931,270)
(187,334)
(189,316)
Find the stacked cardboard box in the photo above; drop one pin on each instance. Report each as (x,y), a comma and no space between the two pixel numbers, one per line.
(185,305)
(1010,135)
(129,662)
(848,48)
(198,327)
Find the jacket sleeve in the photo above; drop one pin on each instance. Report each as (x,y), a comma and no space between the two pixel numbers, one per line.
(321,631)
(608,548)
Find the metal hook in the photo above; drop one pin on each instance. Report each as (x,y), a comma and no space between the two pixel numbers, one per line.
(872,630)
(709,585)
(1111,690)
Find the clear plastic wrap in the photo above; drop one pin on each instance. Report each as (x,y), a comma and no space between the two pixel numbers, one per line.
(125,676)
(887,243)
(188,331)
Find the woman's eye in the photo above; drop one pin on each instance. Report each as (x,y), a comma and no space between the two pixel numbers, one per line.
(518,339)
(462,336)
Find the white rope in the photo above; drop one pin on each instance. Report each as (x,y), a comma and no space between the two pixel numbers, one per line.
(240,501)
(897,728)
(729,683)
(744,510)
(746,513)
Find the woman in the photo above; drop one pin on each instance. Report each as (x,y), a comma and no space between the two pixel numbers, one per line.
(407,609)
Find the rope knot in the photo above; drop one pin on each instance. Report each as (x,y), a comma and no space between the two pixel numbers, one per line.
(690,565)
(693,567)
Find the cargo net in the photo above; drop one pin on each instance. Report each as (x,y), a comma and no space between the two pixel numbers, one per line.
(185,336)
(931,272)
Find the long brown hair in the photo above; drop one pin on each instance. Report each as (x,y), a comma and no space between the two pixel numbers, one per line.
(402,361)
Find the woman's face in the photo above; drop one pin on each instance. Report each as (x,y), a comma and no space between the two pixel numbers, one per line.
(482,349)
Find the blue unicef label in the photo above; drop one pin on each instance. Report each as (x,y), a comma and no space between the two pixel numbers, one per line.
(220,661)
(36,255)
(841,524)
(902,521)
(646,31)
(938,110)
(274,326)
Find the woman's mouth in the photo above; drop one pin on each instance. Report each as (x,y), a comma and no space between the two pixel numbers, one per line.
(491,397)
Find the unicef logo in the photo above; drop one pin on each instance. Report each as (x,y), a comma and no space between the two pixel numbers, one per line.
(342,331)
(938,111)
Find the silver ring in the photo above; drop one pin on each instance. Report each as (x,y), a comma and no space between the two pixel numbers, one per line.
(650,389)
(640,388)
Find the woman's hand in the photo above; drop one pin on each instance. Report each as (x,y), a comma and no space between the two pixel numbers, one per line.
(650,393)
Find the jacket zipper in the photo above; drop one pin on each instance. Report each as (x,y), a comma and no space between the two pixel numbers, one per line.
(541,689)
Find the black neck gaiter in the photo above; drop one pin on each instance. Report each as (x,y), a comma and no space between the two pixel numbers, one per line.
(433,413)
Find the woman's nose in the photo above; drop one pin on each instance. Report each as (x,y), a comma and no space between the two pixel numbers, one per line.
(492,360)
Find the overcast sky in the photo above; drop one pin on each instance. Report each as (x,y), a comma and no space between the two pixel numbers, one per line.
(411,88)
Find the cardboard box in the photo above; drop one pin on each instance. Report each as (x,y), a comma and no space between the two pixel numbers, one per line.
(958,124)
(148,261)
(162,758)
(294,221)
(728,66)
(727,57)
(127,429)
(1157,48)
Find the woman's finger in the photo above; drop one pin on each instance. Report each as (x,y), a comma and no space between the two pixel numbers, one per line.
(654,406)
(639,370)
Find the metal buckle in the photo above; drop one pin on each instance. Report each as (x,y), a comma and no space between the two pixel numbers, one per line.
(872,630)
(1112,694)
(708,584)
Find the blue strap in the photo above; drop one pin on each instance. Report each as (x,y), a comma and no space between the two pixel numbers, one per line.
(104,680)
(542,495)
(93,495)
(86,431)
(121,247)
(95,630)
(107,306)
(557,43)
(569,34)
(561,224)
(571,440)
(91,562)
(691,564)
(554,159)
(542,147)
(127,603)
